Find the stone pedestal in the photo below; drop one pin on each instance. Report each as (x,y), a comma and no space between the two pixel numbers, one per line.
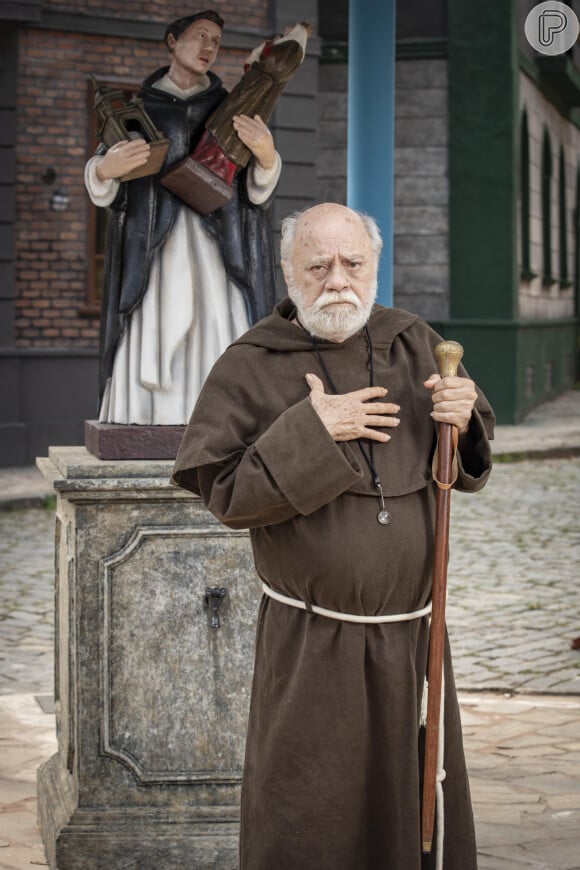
(151,700)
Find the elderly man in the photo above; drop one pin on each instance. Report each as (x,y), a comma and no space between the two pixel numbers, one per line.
(315,430)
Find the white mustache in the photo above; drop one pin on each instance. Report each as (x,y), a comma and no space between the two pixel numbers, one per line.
(332,297)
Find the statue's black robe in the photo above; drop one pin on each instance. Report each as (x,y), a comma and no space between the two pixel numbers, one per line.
(143,215)
(332,770)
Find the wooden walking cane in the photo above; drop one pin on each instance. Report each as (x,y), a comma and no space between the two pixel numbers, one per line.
(448,355)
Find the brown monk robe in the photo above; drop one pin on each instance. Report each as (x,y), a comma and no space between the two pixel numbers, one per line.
(332,770)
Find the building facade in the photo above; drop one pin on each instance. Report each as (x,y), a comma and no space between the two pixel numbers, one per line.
(485,187)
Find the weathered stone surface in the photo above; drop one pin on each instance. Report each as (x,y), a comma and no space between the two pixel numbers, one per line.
(333,77)
(422,220)
(425,161)
(421,250)
(432,305)
(422,74)
(332,165)
(420,131)
(331,131)
(151,701)
(332,189)
(425,280)
(334,106)
(421,166)
(420,190)
(420,102)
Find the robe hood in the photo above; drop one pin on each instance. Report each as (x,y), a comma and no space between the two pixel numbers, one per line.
(259,382)
(277,332)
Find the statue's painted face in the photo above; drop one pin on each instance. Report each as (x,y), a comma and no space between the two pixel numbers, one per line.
(196,49)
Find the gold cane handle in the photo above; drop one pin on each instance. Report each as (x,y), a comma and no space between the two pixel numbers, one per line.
(448,355)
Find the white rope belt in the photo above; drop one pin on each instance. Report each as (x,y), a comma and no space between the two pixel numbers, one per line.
(345,617)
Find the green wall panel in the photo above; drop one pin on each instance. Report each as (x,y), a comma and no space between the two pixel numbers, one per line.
(483,133)
(490,357)
(498,356)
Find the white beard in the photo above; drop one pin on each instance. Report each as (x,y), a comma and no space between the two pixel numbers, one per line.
(335,315)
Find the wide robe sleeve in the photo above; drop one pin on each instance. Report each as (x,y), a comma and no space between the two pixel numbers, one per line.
(252,465)
(474,451)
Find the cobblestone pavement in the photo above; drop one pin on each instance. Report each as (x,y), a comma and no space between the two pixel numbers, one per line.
(513,603)
(513,585)
(26,600)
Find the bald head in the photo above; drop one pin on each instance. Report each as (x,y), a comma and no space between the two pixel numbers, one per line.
(329,258)
(318,216)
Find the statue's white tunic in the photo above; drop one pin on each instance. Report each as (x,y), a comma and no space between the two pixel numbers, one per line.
(190,313)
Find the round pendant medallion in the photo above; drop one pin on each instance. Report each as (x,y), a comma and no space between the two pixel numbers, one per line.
(384,518)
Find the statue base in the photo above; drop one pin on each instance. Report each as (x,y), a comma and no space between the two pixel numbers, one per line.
(118,441)
(156,604)
(198,187)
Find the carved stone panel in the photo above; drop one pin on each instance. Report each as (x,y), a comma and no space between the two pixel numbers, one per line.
(162,656)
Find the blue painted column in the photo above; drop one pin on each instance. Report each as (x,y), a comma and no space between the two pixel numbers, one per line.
(371,122)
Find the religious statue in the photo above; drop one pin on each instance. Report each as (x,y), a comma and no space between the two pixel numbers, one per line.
(180,286)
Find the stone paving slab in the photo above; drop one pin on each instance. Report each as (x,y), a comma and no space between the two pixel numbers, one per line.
(27,738)
(526,804)
(525,787)
(552,428)
(24,487)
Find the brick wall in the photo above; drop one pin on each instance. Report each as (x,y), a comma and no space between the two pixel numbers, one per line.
(54,96)
(247,15)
